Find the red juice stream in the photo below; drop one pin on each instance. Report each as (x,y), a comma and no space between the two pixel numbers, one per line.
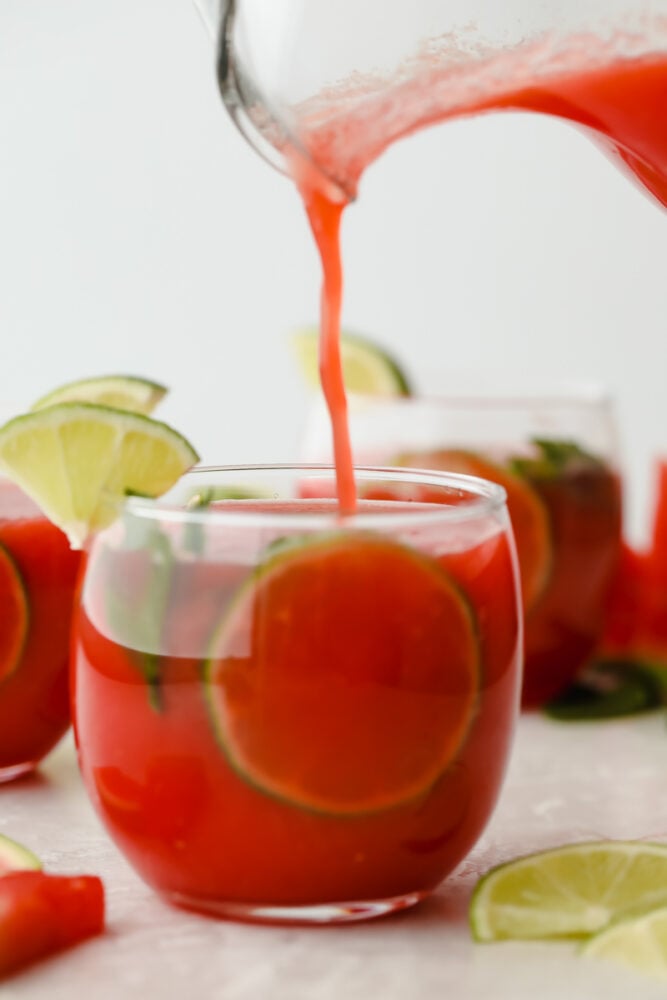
(325,217)
(621,102)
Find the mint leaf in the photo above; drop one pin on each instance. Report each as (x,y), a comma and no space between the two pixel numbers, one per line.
(137,619)
(609,689)
(553,458)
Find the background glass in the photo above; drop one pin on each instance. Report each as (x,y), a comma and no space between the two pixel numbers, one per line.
(556,454)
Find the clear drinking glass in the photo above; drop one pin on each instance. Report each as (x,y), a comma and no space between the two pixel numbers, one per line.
(326,85)
(283,715)
(556,454)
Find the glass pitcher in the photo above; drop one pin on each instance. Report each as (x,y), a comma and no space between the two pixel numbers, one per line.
(326,85)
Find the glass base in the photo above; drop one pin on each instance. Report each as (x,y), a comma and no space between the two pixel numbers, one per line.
(317,914)
(16,771)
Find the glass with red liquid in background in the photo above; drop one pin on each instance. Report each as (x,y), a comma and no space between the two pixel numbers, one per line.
(38,573)
(556,455)
(283,714)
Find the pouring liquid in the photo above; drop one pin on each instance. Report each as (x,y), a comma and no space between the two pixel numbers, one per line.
(620,100)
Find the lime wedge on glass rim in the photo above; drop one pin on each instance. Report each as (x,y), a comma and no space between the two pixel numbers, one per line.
(77,460)
(639,942)
(368,369)
(124,392)
(570,891)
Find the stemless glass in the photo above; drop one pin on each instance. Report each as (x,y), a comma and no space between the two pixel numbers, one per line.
(556,455)
(38,573)
(284,715)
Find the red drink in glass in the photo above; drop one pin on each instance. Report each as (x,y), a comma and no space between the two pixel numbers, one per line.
(563,627)
(38,572)
(315,725)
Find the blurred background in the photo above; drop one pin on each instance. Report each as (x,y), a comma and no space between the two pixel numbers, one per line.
(140,234)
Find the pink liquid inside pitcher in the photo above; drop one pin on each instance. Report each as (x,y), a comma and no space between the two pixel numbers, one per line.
(322,88)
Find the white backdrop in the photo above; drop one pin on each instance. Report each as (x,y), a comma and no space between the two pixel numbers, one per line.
(139,233)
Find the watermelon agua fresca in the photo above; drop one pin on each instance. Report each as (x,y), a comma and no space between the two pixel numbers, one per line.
(628,673)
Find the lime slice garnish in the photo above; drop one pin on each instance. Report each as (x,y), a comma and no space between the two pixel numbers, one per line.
(367,368)
(15,857)
(124,392)
(568,891)
(639,943)
(345,675)
(529,516)
(76,460)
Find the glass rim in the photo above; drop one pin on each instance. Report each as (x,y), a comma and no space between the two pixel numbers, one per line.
(583,395)
(486,498)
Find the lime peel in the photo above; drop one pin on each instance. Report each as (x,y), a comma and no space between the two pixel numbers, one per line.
(14,616)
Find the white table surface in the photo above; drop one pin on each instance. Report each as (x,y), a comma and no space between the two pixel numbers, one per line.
(565,783)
